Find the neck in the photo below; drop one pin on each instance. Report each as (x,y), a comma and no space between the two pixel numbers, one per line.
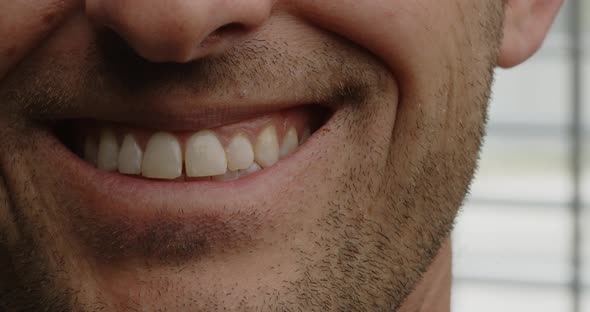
(433,292)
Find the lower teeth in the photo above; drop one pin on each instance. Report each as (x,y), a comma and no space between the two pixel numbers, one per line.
(235,175)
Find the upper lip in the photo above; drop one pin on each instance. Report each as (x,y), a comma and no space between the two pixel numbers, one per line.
(114,85)
(121,87)
(178,117)
(178,110)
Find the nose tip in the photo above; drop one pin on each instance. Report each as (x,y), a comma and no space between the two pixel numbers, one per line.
(179,30)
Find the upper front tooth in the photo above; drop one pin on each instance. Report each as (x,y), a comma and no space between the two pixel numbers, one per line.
(290,143)
(162,158)
(240,153)
(267,147)
(108,151)
(130,156)
(205,155)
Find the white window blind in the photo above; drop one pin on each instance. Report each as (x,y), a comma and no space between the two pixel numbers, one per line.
(522,241)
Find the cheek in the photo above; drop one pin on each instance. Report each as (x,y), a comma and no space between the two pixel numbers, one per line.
(8,229)
(434,50)
(24,23)
(407,35)
(417,39)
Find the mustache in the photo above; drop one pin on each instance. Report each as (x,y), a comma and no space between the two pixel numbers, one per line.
(121,66)
(255,61)
(112,79)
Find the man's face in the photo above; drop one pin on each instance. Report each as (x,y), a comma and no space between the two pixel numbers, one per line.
(107,194)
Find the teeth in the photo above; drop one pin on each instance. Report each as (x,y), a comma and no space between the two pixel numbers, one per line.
(108,151)
(254,168)
(267,147)
(305,135)
(228,176)
(130,156)
(205,155)
(240,153)
(162,158)
(91,151)
(234,175)
(290,143)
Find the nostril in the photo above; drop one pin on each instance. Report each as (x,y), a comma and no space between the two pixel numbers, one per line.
(224,32)
(230,28)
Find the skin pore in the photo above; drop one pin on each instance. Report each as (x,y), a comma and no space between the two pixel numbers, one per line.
(365,227)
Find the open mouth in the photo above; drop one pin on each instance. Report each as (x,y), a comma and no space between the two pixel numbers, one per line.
(226,153)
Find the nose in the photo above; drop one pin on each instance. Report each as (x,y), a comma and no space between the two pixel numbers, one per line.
(179,30)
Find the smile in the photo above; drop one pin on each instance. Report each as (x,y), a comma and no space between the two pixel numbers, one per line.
(225,153)
(216,185)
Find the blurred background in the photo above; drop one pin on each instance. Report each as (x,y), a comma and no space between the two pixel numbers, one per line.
(522,241)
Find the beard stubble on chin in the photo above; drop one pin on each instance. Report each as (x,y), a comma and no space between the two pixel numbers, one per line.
(360,264)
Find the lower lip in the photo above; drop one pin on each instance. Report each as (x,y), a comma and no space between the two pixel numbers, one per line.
(126,202)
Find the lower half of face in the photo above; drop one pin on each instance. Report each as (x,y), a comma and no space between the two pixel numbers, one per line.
(317,165)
